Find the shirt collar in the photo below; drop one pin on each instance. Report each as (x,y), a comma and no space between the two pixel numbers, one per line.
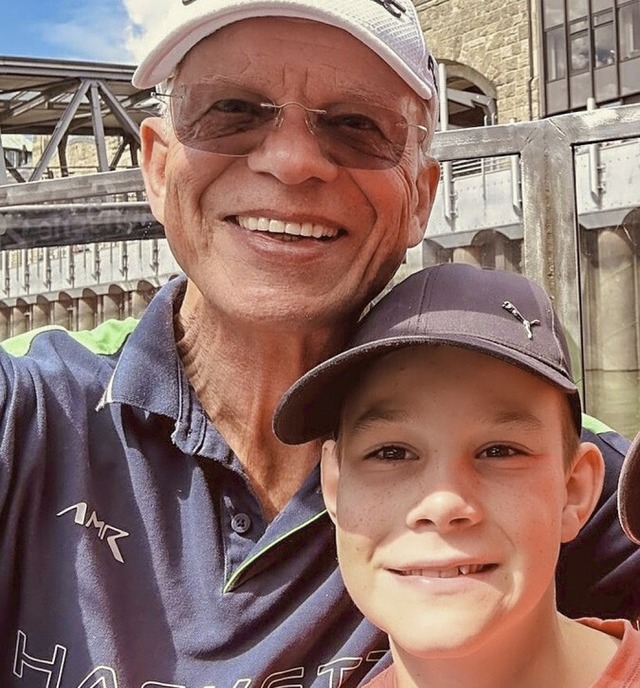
(149,373)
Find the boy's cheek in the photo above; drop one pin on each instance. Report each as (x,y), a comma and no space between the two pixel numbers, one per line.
(360,512)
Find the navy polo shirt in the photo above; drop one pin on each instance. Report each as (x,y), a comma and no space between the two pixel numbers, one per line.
(134,554)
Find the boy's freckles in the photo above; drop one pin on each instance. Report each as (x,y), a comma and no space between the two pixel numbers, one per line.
(444,456)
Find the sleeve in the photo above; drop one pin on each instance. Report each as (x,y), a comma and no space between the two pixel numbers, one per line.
(19,427)
(598,573)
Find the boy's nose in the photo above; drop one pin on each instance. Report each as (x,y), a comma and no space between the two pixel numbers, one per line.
(445,501)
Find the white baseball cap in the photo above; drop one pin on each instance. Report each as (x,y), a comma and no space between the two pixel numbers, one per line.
(390,28)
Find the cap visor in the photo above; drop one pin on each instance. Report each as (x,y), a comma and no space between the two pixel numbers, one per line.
(310,408)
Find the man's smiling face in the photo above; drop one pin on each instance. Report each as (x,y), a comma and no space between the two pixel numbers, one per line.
(285,232)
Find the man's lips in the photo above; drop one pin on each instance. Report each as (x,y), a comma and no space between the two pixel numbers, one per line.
(287,229)
(443,572)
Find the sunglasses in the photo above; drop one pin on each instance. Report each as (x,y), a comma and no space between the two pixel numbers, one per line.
(229,120)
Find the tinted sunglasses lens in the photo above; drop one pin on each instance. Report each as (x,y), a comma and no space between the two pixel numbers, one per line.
(228,120)
(361,135)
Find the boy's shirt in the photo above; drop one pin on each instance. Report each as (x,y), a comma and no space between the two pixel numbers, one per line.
(623,671)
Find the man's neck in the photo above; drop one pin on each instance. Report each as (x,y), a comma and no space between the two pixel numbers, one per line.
(239,371)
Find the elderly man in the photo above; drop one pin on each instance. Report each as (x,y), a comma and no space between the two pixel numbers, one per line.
(154,531)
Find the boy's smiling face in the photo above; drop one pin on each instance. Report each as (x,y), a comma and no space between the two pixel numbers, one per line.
(451,498)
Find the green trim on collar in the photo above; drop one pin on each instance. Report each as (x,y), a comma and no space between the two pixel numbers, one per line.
(105,339)
(246,564)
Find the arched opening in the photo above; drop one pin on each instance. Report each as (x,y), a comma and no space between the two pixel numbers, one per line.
(471,97)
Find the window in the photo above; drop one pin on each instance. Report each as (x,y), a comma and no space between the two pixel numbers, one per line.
(591,50)
(578,9)
(604,40)
(579,46)
(629,30)
(553,13)
(556,54)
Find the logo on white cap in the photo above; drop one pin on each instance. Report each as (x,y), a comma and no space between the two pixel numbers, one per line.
(393,7)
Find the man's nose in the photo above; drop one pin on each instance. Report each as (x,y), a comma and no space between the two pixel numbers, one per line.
(290,151)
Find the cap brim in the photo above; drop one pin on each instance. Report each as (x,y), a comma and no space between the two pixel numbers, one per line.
(628,492)
(311,407)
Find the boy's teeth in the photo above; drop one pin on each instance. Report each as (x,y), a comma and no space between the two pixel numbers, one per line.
(470,568)
(447,573)
(460,571)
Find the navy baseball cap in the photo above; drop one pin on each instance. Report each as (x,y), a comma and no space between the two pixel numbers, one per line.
(501,314)
(628,488)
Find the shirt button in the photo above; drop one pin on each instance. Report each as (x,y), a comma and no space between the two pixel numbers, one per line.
(240,523)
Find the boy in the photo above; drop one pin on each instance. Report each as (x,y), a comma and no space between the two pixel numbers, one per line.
(455,473)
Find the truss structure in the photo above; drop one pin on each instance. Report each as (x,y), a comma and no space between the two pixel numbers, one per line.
(64,98)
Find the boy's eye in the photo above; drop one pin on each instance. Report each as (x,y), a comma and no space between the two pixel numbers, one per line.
(498,451)
(392,452)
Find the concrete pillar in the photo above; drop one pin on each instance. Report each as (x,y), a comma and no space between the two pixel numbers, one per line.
(19,320)
(41,311)
(138,303)
(431,253)
(613,393)
(5,323)
(413,258)
(112,306)
(87,306)
(505,253)
(616,307)
(471,255)
(60,314)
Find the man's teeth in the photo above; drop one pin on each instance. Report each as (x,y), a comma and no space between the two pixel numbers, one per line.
(446,573)
(300,229)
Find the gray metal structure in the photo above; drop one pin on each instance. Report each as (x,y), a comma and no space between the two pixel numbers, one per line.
(60,98)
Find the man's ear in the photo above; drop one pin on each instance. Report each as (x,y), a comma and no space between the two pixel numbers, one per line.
(154,147)
(584,485)
(329,474)
(426,187)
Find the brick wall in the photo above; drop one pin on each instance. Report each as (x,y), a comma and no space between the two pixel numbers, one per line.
(491,37)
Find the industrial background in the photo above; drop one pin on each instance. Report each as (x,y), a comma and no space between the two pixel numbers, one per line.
(540,152)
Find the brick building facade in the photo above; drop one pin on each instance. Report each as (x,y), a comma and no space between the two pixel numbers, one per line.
(490,48)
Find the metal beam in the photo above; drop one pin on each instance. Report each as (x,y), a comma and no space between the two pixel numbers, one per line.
(98,127)
(82,186)
(44,96)
(61,129)
(120,113)
(38,226)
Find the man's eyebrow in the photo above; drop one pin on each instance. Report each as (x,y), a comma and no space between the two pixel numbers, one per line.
(378,412)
